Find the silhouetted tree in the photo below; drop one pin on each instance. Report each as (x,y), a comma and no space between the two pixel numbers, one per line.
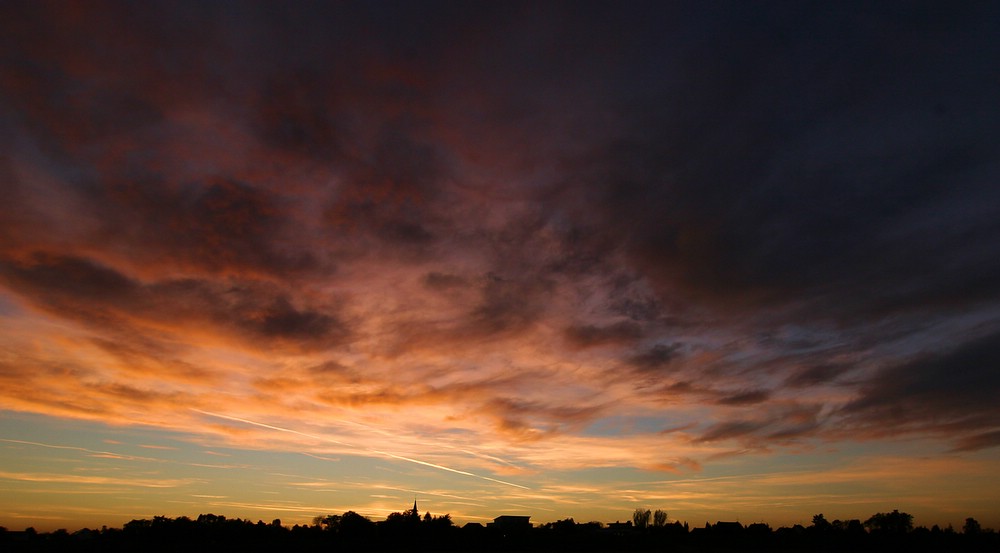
(328,522)
(209,518)
(890,523)
(640,518)
(850,527)
(820,522)
(660,518)
(354,525)
(398,521)
(971,527)
(443,521)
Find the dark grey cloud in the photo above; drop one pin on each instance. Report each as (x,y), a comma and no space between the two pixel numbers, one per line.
(532,420)
(63,280)
(443,281)
(637,307)
(773,424)
(803,167)
(978,441)
(622,332)
(508,304)
(777,156)
(746,397)
(99,295)
(815,375)
(218,225)
(389,200)
(655,358)
(951,393)
(154,131)
(303,112)
(729,430)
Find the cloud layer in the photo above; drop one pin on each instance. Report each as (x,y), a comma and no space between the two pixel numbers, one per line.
(558,238)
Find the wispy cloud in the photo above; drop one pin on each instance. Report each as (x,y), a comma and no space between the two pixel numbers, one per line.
(367,451)
(96,480)
(586,240)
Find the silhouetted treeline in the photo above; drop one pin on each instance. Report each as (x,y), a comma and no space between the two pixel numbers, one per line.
(408,531)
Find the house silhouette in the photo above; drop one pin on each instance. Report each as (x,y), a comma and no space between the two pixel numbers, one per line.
(510,524)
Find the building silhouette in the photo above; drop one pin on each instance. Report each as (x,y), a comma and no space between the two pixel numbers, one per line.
(511,524)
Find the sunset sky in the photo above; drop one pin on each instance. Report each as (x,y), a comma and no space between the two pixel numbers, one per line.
(736,261)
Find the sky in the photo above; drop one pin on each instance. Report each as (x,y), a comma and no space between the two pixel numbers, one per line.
(732,260)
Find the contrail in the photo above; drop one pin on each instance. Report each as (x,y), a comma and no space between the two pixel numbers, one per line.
(365,449)
(95,452)
(425,463)
(278,428)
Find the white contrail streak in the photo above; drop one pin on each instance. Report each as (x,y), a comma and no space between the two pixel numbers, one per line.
(278,428)
(425,463)
(361,448)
